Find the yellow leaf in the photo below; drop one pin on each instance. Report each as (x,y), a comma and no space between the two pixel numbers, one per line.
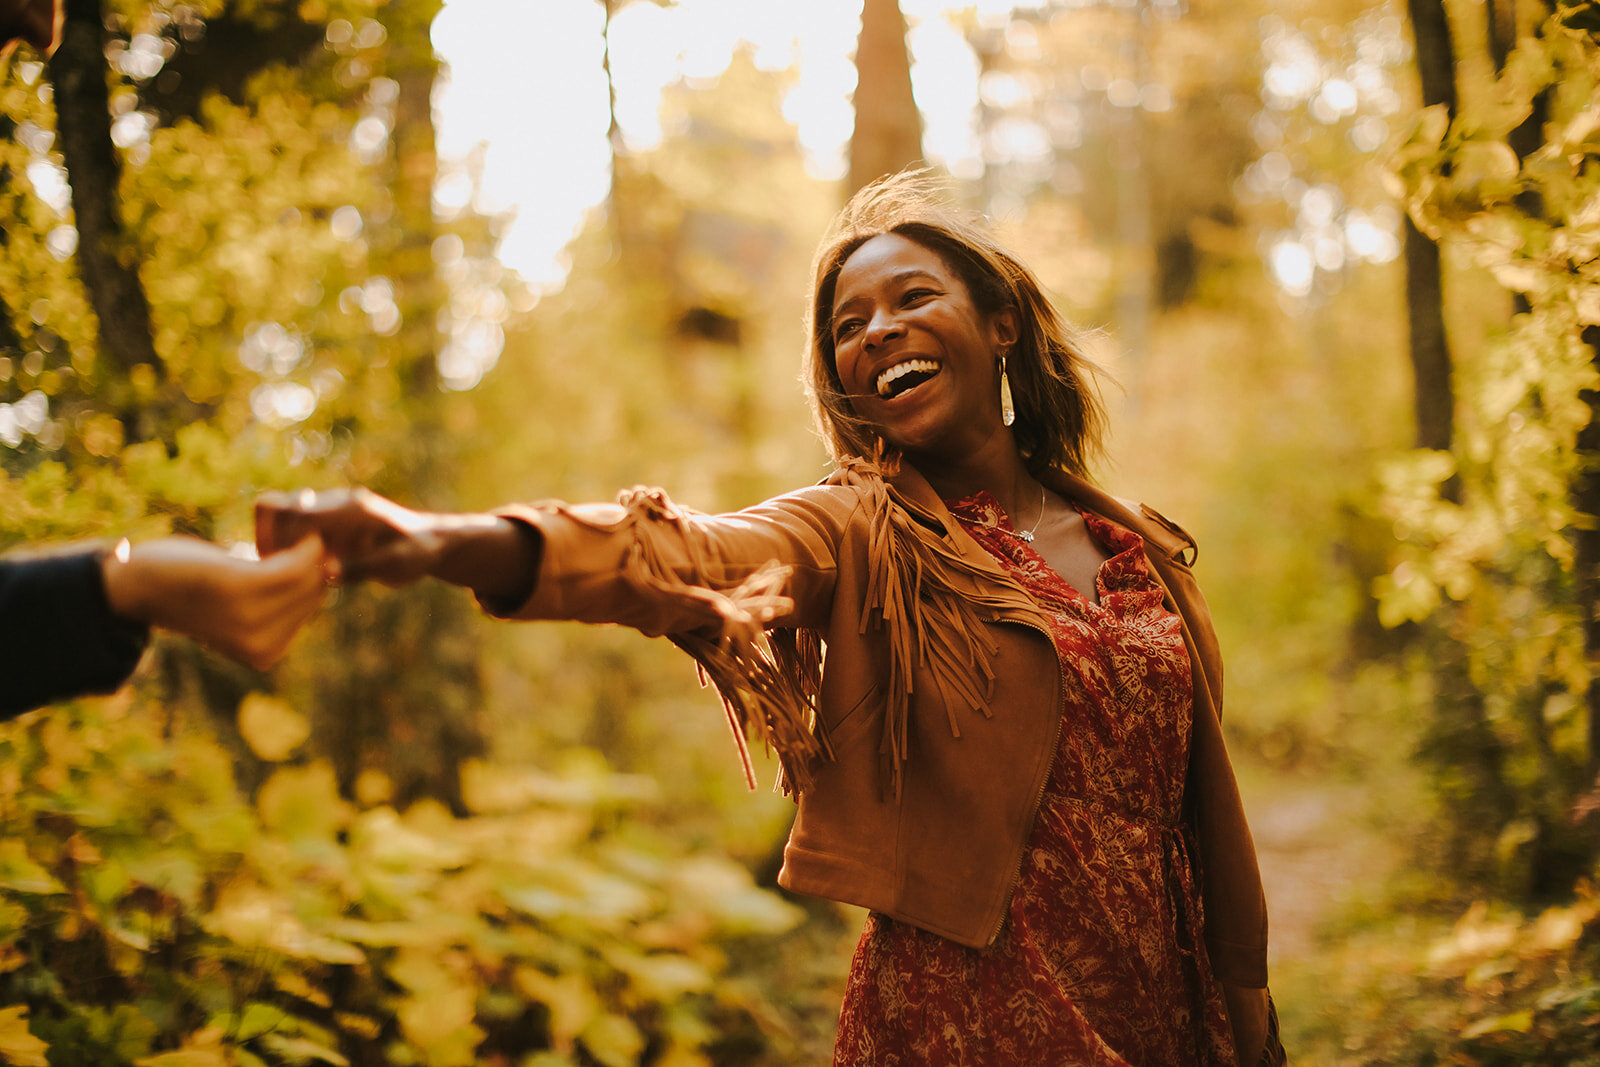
(186,1057)
(303,802)
(203,1048)
(440,1024)
(17,1043)
(19,871)
(570,999)
(613,1040)
(271,727)
(1518,1022)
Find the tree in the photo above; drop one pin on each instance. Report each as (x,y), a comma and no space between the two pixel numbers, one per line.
(888,128)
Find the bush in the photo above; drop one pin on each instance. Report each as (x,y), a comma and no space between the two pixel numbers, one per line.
(150,914)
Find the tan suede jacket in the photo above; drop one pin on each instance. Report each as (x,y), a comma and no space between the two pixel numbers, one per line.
(920,743)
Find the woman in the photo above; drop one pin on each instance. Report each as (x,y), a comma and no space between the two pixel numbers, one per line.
(1010,754)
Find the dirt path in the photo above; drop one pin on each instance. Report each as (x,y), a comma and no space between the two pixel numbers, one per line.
(1317,842)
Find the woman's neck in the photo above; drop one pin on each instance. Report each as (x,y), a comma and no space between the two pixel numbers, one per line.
(996,468)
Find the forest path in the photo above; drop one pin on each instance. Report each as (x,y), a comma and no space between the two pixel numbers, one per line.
(1319,841)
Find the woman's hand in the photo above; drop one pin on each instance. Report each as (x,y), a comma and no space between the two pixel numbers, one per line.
(249,610)
(374,539)
(370,537)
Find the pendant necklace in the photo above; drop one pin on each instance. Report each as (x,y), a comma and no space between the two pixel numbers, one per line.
(1027,535)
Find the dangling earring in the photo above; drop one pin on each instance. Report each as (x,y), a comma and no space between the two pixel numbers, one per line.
(1008,411)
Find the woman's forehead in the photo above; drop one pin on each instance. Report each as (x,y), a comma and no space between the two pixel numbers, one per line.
(886,259)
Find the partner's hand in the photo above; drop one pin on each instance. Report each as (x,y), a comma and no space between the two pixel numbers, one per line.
(373,538)
(249,610)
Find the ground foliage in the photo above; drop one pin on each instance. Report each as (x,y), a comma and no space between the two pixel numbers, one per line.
(152,914)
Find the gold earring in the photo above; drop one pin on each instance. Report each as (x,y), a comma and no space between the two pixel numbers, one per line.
(1008,411)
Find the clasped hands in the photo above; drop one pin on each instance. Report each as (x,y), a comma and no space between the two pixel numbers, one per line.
(251,610)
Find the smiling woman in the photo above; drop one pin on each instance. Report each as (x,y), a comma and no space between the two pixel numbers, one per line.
(1010,753)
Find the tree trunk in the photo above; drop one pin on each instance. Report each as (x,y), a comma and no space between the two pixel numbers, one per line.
(10,340)
(1434,397)
(888,129)
(110,275)
(1430,350)
(1586,565)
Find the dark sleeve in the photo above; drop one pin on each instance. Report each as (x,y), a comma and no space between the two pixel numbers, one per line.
(58,637)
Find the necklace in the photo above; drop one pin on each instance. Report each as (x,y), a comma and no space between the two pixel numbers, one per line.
(1027,535)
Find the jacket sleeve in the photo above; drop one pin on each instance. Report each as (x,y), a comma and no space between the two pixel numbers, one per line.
(58,636)
(744,593)
(647,563)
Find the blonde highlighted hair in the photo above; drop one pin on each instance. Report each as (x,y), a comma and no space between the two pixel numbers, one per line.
(1060,418)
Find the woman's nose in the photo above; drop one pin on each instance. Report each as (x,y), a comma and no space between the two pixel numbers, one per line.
(882,329)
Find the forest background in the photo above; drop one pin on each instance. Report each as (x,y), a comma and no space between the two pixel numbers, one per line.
(1339,258)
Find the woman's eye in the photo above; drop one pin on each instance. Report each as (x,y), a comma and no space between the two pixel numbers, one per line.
(914,296)
(846,328)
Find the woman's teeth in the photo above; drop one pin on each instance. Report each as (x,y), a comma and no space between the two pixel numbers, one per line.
(887,379)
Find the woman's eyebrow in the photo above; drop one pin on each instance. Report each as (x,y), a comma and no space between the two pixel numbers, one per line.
(894,279)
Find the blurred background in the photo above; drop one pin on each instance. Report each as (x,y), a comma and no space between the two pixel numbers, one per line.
(1339,261)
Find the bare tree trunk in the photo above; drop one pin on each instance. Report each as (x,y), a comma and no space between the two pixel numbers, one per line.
(1586,565)
(888,130)
(1434,399)
(83,129)
(1434,396)
(10,340)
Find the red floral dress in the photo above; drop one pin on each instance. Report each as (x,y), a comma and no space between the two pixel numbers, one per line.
(1100,960)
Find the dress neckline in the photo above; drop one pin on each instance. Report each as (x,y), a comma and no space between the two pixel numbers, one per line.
(980,512)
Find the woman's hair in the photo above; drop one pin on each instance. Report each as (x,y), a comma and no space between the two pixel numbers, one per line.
(1060,420)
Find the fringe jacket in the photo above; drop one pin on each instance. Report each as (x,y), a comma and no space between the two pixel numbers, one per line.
(919,744)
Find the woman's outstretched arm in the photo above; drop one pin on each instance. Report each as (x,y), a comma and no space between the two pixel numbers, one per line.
(374,539)
(642,562)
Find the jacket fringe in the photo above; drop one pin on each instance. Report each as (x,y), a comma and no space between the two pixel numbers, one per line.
(769,681)
(929,623)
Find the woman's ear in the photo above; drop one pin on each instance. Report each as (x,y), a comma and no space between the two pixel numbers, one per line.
(1003,326)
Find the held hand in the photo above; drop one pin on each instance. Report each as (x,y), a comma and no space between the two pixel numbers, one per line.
(373,538)
(249,610)
(370,537)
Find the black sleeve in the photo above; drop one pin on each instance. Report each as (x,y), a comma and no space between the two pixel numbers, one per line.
(58,637)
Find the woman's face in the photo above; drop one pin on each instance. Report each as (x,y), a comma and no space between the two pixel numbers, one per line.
(913,351)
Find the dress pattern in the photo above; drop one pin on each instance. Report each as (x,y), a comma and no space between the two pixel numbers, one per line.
(1100,960)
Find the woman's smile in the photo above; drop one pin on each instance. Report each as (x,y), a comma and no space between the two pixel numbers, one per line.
(904,377)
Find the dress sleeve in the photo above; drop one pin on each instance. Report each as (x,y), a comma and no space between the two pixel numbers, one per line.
(58,636)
